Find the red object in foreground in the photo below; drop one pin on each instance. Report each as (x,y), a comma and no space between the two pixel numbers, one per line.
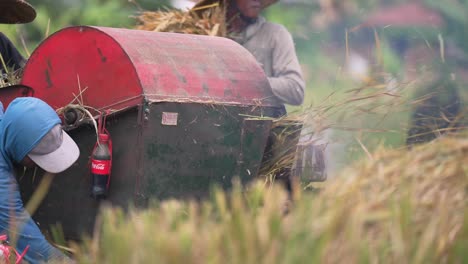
(114,69)
(5,251)
(101,162)
(179,109)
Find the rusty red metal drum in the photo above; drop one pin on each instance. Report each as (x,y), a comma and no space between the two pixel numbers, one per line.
(184,112)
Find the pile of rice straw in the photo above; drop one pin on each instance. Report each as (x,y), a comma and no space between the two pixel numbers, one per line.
(207,20)
(400,206)
(416,200)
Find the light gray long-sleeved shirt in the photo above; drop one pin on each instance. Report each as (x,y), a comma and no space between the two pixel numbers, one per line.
(273,47)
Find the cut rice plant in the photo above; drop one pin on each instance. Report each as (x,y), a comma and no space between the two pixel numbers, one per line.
(404,206)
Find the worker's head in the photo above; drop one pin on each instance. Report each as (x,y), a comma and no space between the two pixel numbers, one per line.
(55,152)
(31,134)
(249,8)
(16,12)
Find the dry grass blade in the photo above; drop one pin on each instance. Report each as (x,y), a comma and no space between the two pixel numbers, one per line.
(3,63)
(25,47)
(442,47)
(40,193)
(378,47)
(369,155)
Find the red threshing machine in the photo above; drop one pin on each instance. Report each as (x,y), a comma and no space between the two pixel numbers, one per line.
(181,110)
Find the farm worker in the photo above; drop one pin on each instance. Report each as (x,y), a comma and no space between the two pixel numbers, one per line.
(273,47)
(30,134)
(13,12)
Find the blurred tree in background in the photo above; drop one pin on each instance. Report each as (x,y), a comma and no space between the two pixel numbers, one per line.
(325,35)
(314,23)
(401,58)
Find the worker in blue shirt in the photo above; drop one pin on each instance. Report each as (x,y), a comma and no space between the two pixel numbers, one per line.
(30,135)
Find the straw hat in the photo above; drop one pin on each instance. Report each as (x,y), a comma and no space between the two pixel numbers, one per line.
(16,12)
(265,3)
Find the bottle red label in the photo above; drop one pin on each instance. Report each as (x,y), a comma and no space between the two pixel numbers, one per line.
(100,167)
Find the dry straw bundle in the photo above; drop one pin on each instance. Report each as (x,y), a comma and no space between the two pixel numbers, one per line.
(400,207)
(205,20)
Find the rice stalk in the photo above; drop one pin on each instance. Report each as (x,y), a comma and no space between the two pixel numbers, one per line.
(39,193)
(402,207)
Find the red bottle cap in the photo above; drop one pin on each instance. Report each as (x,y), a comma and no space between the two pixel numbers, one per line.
(103,137)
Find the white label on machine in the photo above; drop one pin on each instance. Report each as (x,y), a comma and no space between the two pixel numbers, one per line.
(169,119)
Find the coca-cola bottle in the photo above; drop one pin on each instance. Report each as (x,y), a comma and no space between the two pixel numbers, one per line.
(100,168)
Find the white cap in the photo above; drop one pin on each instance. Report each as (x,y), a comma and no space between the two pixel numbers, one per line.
(56,151)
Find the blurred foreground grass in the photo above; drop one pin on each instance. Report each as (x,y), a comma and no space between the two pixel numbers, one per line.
(398,206)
